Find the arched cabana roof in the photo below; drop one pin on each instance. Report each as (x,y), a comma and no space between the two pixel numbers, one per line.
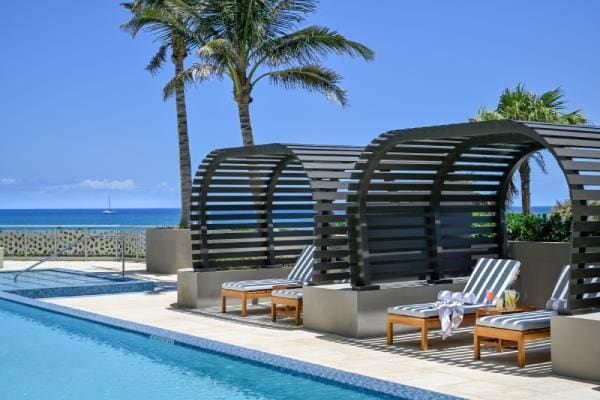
(428,201)
(258,206)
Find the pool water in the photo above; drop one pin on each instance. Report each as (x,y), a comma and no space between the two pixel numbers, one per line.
(50,278)
(45,355)
(63,282)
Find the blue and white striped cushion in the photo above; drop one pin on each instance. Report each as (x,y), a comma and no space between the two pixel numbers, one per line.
(427,310)
(303,268)
(519,321)
(492,274)
(249,286)
(289,293)
(558,299)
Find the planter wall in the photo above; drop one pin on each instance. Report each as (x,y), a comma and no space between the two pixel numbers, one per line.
(203,288)
(541,263)
(168,250)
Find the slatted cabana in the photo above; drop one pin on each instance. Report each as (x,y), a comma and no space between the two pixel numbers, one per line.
(427,202)
(258,206)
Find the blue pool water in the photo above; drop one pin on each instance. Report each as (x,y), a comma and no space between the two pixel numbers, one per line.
(49,356)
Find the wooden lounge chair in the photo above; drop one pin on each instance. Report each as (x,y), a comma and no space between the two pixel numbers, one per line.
(523,327)
(489,274)
(256,289)
(290,299)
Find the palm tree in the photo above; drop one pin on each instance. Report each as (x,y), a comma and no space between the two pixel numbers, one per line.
(155,17)
(520,104)
(253,40)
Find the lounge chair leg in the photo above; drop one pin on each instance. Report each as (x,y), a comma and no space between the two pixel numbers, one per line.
(390,332)
(244,300)
(521,352)
(298,314)
(223,304)
(424,333)
(273,312)
(476,346)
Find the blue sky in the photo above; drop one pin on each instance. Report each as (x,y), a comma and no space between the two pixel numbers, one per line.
(81,119)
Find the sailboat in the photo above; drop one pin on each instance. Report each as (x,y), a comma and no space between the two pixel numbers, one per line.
(108,210)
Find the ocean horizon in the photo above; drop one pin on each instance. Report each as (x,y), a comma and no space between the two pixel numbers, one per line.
(120,216)
(91,216)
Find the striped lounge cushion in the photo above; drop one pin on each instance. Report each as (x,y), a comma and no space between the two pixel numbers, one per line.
(250,286)
(495,274)
(558,299)
(303,268)
(427,310)
(492,274)
(301,273)
(519,321)
(289,293)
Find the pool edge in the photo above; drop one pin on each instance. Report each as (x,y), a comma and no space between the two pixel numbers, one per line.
(315,371)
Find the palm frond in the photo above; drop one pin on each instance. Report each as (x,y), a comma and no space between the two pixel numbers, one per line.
(313,78)
(285,15)
(191,76)
(483,114)
(157,61)
(309,45)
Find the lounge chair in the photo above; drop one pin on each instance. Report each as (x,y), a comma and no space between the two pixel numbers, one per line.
(523,327)
(256,289)
(291,300)
(489,274)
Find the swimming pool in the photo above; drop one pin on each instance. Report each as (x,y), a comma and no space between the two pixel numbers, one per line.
(58,282)
(47,355)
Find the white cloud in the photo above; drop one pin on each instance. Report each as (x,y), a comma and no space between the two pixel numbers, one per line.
(7,181)
(105,184)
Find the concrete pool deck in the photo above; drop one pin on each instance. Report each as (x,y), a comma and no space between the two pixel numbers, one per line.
(446,368)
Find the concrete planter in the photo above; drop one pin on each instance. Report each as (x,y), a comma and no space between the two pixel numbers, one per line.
(168,250)
(339,310)
(203,288)
(541,263)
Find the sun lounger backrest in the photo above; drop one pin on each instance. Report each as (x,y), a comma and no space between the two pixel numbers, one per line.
(303,268)
(558,299)
(561,288)
(492,274)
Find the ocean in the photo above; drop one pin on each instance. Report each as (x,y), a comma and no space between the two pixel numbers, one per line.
(120,216)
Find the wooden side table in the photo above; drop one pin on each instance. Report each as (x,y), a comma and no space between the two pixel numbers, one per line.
(500,344)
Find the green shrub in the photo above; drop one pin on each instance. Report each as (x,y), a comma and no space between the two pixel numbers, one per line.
(538,228)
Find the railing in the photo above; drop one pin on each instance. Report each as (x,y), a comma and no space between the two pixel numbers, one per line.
(99,241)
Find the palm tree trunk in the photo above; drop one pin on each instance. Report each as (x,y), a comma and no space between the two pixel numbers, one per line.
(243,103)
(525,174)
(185,163)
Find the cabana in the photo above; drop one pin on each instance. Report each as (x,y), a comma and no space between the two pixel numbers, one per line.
(257,207)
(425,203)
(430,200)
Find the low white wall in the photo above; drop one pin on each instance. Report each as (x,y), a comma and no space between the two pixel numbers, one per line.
(203,288)
(541,263)
(168,250)
(575,346)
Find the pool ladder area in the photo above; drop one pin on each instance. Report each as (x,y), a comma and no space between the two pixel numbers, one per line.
(72,244)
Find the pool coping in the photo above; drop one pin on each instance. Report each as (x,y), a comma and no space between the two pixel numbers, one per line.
(286,364)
